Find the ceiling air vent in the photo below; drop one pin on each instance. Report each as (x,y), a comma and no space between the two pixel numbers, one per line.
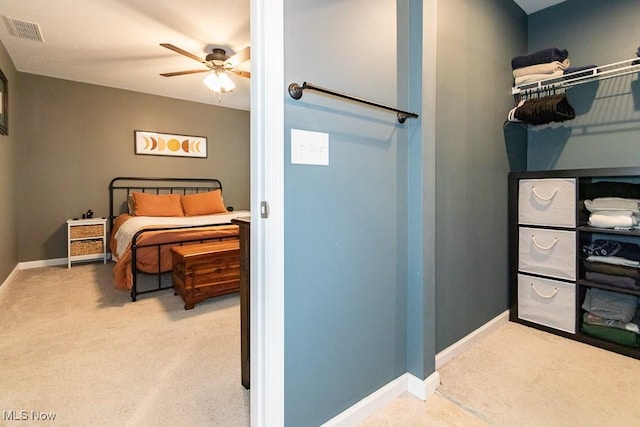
(24,29)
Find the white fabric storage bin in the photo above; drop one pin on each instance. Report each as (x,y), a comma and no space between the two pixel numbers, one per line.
(547,302)
(547,202)
(547,252)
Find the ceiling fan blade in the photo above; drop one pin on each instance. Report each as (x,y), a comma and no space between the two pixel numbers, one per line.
(240,73)
(239,57)
(180,73)
(182,52)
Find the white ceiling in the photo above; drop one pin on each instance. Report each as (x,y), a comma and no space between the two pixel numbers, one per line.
(531,6)
(115,43)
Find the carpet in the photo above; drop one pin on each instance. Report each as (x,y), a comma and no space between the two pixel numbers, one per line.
(73,346)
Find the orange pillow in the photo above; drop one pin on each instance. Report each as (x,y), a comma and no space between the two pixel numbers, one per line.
(203,203)
(157,204)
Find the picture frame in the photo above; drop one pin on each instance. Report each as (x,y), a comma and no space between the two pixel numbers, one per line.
(167,144)
(4,104)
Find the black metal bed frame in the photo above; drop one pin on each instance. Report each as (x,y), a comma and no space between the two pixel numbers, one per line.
(127,185)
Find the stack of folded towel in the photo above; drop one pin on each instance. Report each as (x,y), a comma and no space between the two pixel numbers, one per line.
(541,65)
(613,212)
(547,64)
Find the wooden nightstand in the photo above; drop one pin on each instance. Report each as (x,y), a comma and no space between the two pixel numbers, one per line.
(87,240)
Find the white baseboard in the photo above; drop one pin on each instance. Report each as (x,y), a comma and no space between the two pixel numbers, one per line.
(42,263)
(466,342)
(370,404)
(423,389)
(9,279)
(381,397)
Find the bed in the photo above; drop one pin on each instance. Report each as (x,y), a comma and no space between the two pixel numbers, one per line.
(148,216)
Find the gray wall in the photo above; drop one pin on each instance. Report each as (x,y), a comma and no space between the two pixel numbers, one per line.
(75,137)
(8,162)
(606,129)
(346,223)
(475,44)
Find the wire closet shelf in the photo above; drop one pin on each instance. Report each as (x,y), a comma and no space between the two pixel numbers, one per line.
(601,72)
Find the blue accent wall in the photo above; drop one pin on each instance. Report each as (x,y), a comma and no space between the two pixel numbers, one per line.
(606,130)
(345,223)
(397,248)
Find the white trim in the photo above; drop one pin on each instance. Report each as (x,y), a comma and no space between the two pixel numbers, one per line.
(27,265)
(370,404)
(423,389)
(459,347)
(9,279)
(267,235)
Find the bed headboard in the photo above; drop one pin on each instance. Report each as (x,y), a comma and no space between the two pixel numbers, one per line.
(121,187)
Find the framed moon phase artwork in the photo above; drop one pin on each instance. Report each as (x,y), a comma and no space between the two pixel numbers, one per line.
(4,105)
(167,144)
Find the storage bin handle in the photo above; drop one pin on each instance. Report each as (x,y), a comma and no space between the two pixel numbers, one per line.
(553,294)
(546,199)
(544,248)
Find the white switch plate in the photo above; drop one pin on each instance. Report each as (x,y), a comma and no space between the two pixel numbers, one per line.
(309,148)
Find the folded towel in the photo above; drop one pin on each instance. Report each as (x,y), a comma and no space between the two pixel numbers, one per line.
(539,57)
(613,219)
(610,305)
(612,204)
(546,68)
(532,78)
(615,260)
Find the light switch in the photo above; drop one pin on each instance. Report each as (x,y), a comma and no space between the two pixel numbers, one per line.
(309,148)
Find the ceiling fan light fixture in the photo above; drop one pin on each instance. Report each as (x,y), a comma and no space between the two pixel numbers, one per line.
(219,82)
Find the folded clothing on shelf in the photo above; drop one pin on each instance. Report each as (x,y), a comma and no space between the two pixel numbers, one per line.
(621,282)
(532,78)
(545,68)
(614,219)
(593,319)
(610,305)
(605,247)
(539,57)
(612,204)
(615,335)
(612,269)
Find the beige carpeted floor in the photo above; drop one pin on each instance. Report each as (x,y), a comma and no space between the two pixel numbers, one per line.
(73,346)
(519,376)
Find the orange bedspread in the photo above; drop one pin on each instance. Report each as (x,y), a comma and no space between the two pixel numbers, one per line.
(147,257)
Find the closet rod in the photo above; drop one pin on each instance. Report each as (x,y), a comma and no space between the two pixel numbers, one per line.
(295,90)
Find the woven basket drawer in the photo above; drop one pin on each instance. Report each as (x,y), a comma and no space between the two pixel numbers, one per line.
(86,247)
(547,302)
(81,231)
(547,202)
(547,252)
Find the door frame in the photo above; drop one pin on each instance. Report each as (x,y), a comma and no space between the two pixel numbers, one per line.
(267,234)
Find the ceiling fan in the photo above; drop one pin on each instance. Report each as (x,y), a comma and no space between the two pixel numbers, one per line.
(218,65)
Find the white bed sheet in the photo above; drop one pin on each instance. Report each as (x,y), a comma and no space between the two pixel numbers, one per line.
(126,232)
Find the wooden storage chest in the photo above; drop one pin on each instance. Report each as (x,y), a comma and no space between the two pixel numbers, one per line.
(206,270)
